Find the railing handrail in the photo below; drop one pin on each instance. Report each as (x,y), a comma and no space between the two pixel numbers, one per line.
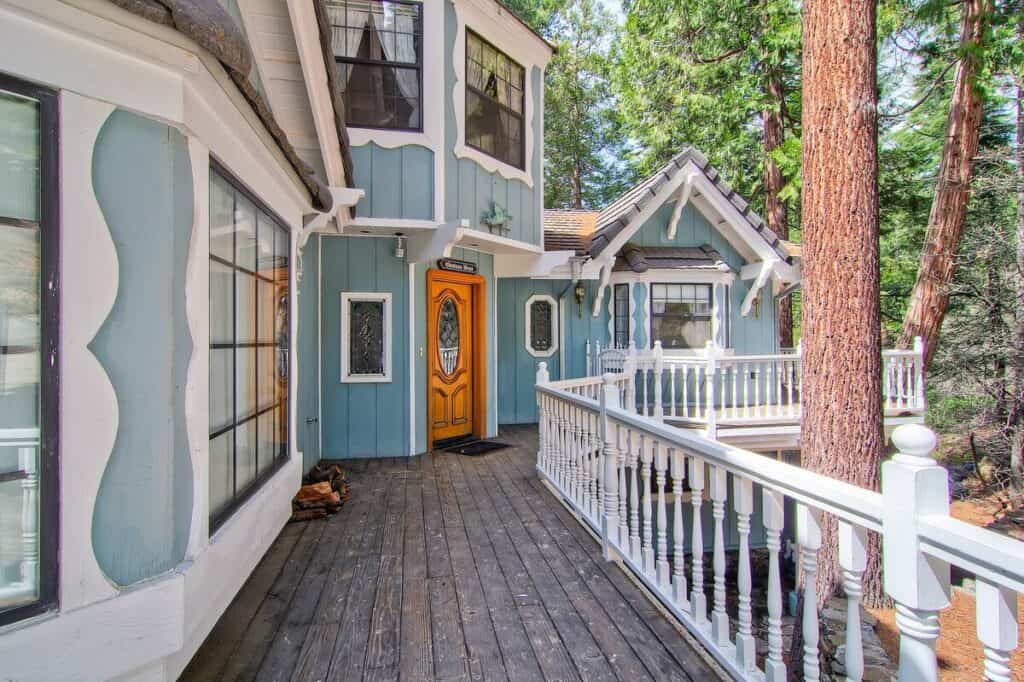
(846,501)
(981,551)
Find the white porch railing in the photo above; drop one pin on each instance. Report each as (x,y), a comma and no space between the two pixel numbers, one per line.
(617,469)
(714,388)
(26,547)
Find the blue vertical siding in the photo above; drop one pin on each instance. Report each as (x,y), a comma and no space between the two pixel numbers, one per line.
(399,182)
(364,419)
(307,406)
(517,368)
(143,183)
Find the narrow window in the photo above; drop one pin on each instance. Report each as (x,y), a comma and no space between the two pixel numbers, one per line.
(621,316)
(366,337)
(249,344)
(681,315)
(28,349)
(541,326)
(495,87)
(379,47)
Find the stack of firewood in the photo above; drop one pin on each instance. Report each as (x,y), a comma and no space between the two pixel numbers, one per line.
(324,492)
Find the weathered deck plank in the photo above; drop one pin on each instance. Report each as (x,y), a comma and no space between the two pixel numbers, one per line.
(448,568)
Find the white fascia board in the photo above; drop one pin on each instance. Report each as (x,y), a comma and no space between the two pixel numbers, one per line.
(429,245)
(314,73)
(742,236)
(543,265)
(479,240)
(670,189)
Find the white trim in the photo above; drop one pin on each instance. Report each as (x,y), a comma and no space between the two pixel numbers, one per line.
(412,358)
(675,276)
(504,31)
(527,337)
(320,345)
(346,334)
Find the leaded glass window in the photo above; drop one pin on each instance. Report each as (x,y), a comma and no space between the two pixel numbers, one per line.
(448,336)
(250,262)
(541,325)
(365,337)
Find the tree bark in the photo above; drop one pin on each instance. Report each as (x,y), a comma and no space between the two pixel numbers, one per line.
(929,298)
(1017,357)
(774,207)
(841,430)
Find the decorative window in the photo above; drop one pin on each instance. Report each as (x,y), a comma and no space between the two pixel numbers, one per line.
(681,315)
(541,326)
(365,337)
(495,87)
(620,303)
(249,344)
(28,349)
(448,336)
(379,47)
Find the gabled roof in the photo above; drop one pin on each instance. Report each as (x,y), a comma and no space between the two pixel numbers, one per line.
(208,24)
(568,229)
(643,258)
(617,216)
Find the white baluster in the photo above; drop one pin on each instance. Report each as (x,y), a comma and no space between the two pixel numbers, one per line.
(634,496)
(809,539)
(757,389)
(698,601)
(743,502)
(660,465)
(596,470)
(558,418)
(646,408)
(27,459)
(853,559)
(610,487)
(918,373)
(678,473)
(777,368)
(686,381)
(659,368)
(789,388)
(746,390)
(620,443)
(913,485)
(577,457)
(719,618)
(996,613)
(697,406)
(647,546)
(772,513)
(901,368)
(735,392)
(672,390)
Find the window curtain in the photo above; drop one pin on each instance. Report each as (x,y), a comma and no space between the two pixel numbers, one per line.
(403,50)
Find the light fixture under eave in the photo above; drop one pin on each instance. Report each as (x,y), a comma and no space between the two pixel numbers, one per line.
(399,245)
(581,293)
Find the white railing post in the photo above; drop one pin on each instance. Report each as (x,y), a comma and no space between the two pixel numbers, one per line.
(743,503)
(629,368)
(543,378)
(808,533)
(659,367)
(772,506)
(914,486)
(709,390)
(919,396)
(853,560)
(590,362)
(996,614)
(610,482)
(698,600)
(719,617)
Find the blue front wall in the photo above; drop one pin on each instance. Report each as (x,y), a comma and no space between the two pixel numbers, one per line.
(399,182)
(363,419)
(307,435)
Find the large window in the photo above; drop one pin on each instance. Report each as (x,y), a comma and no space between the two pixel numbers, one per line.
(621,310)
(378,44)
(28,349)
(494,102)
(681,315)
(249,276)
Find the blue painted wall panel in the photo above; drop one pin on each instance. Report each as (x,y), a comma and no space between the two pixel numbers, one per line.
(399,182)
(363,419)
(307,407)
(143,183)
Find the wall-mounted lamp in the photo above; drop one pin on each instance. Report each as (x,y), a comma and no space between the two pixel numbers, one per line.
(399,245)
(581,293)
(756,304)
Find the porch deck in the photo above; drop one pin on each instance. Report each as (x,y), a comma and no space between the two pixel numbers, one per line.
(444,567)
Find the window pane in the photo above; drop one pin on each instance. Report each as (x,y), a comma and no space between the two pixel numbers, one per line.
(221,395)
(266,229)
(222,283)
(267,311)
(245,382)
(245,455)
(221,482)
(245,322)
(245,232)
(20,340)
(222,218)
(267,376)
(267,448)
(19,157)
(366,334)
(281,430)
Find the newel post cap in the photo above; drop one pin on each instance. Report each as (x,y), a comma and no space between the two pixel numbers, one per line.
(915,444)
(542,373)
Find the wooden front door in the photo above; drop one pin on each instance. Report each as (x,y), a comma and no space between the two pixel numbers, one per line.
(453,331)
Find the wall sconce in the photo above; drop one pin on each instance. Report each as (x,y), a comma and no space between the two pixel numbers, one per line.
(581,293)
(399,245)
(756,304)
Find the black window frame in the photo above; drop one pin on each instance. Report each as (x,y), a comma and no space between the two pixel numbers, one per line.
(709,317)
(239,498)
(418,66)
(620,330)
(49,366)
(470,89)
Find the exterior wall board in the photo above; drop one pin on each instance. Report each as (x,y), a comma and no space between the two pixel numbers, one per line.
(399,182)
(307,435)
(143,183)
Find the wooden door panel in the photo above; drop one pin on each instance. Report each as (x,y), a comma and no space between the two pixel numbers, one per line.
(451,320)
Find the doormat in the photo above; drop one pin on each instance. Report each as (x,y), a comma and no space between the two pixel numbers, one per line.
(475,447)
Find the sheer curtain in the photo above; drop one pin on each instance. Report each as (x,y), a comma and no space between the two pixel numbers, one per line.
(403,50)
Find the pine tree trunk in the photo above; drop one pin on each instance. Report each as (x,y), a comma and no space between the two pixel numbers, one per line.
(930,296)
(841,430)
(577,186)
(1017,358)
(774,207)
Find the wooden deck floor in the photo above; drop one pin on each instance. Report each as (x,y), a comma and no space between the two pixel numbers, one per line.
(444,567)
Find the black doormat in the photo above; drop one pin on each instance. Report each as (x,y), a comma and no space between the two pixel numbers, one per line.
(474,448)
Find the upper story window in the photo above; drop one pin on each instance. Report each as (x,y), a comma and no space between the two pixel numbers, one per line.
(681,315)
(28,349)
(495,88)
(379,46)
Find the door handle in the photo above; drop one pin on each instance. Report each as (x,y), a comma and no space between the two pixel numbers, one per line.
(311,420)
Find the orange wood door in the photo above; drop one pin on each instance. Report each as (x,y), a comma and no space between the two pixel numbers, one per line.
(450,341)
